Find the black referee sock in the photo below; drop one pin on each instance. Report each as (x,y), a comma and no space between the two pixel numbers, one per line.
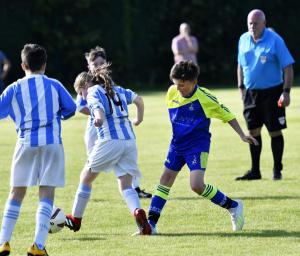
(277,144)
(255,154)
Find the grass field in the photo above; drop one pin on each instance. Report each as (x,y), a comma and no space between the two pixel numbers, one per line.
(189,225)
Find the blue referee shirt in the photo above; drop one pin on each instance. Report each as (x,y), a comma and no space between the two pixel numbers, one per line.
(37,103)
(262,62)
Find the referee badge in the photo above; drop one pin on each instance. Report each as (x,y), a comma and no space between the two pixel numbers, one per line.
(281,120)
(263,59)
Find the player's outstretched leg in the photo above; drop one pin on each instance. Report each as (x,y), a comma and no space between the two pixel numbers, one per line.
(82,197)
(157,204)
(141,221)
(73,223)
(235,207)
(237,216)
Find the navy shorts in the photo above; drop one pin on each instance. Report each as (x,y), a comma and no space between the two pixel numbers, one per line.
(261,108)
(195,160)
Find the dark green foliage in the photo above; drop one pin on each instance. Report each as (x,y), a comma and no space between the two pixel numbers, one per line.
(137,34)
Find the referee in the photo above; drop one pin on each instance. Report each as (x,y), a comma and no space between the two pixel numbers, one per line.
(265,76)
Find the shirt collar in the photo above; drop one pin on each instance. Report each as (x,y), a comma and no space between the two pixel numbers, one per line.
(262,38)
(192,93)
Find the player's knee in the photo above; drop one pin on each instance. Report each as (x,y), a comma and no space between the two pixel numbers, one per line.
(198,188)
(275,134)
(17,193)
(168,177)
(255,132)
(87,177)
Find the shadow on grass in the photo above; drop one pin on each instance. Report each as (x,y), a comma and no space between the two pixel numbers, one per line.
(184,198)
(267,197)
(261,233)
(283,197)
(89,237)
(97,200)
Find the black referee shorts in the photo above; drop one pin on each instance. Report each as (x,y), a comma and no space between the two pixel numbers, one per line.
(261,108)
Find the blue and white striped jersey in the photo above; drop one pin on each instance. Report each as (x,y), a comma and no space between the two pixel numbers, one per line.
(37,104)
(116,125)
(80,102)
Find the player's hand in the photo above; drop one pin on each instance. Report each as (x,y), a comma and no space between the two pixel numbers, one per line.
(136,122)
(284,100)
(249,139)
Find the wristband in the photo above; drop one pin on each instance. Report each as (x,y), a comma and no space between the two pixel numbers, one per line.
(287,90)
(241,86)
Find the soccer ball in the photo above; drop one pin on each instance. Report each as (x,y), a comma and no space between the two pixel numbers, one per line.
(57,221)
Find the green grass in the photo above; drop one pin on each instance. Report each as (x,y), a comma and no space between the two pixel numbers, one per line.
(189,224)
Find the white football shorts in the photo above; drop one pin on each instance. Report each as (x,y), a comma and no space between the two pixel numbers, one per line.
(42,166)
(117,155)
(90,137)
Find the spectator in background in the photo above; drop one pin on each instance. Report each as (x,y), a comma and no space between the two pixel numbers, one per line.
(184,45)
(265,76)
(4,68)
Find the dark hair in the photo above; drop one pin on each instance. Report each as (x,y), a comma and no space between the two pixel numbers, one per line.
(185,70)
(33,56)
(94,53)
(102,76)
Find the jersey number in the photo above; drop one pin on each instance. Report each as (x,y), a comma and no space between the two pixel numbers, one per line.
(116,100)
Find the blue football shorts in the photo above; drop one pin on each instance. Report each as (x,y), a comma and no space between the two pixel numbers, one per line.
(194,160)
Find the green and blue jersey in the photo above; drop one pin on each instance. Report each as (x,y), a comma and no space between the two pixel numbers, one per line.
(190,118)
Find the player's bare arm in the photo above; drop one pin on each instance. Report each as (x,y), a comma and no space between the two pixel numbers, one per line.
(246,138)
(138,101)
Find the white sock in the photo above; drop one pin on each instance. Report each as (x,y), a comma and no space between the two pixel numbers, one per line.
(10,217)
(81,199)
(43,215)
(135,182)
(132,199)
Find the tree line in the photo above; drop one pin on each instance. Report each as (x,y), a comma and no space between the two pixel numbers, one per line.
(137,35)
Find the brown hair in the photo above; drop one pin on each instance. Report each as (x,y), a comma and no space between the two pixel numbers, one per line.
(102,76)
(81,80)
(33,56)
(185,70)
(94,53)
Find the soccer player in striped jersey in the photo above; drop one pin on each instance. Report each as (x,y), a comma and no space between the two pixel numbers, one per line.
(95,58)
(37,104)
(115,148)
(191,108)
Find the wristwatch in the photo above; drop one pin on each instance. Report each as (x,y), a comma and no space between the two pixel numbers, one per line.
(241,86)
(287,90)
